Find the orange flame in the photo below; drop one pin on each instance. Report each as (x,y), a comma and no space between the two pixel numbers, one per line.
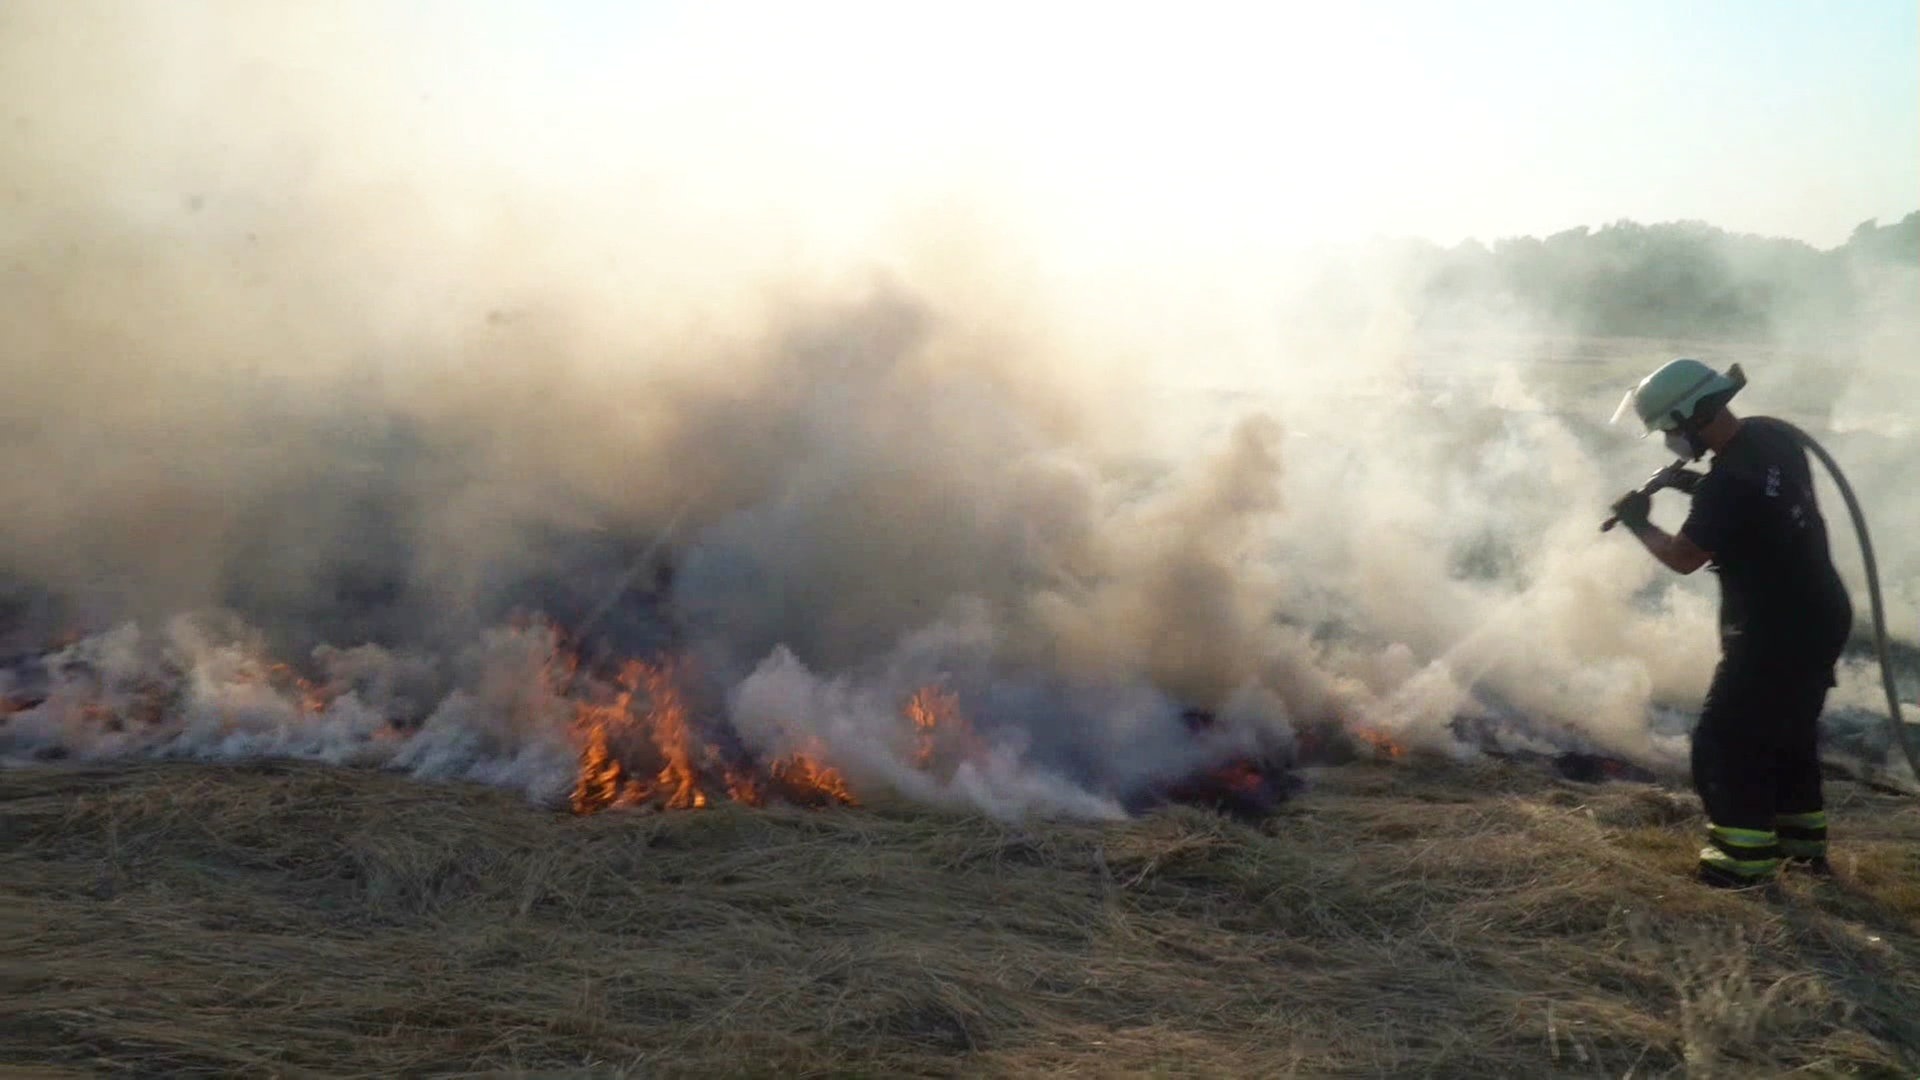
(692,775)
(667,721)
(928,708)
(603,781)
(805,774)
(310,697)
(1382,743)
(1240,775)
(940,728)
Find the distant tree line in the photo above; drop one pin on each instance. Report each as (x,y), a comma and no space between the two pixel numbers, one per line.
(1677,279)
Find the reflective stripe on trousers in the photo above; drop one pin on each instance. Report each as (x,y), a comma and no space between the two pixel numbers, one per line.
(1746,853)
(1802,836)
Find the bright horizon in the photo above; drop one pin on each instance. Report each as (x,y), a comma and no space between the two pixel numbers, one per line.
(1241,125)
(1143,182)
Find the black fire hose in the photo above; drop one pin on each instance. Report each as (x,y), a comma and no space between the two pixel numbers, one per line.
(1897,727)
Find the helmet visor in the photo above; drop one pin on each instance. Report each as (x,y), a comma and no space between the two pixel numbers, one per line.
(1626,408)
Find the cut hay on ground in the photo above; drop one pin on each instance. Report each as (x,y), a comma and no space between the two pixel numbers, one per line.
(1407,920)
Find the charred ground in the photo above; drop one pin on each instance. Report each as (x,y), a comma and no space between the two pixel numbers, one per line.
(1414,918)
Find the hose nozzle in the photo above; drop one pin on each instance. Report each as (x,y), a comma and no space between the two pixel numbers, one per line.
(1665,478)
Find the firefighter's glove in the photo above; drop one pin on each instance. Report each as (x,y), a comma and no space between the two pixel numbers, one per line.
(1685,480)
(1632,510)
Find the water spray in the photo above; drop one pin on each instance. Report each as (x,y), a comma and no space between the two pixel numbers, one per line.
(633,571)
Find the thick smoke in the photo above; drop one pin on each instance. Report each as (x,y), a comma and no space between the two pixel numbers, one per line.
(295,350)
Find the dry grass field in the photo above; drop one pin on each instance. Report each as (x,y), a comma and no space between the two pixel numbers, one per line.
(1414,919)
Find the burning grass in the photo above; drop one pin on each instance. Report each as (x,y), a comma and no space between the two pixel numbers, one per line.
(650,732)
(1395,920)
(647,719)
(691,774)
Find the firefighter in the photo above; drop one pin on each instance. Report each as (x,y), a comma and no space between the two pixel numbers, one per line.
(1784,618)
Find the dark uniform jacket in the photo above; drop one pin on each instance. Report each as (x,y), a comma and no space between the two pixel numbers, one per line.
(1781,601)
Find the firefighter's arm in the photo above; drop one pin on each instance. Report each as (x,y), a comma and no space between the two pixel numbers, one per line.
(1674,550)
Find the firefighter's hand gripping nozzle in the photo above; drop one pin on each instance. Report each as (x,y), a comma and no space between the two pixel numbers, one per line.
(1675,475)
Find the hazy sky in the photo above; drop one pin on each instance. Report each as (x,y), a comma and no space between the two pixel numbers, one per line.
(1252,121)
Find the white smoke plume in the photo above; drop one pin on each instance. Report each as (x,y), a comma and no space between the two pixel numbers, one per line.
(296,333)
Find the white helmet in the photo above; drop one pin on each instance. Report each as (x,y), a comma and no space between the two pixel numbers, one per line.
(1666,399)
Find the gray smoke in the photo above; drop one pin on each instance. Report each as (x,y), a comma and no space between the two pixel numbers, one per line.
(304,341)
